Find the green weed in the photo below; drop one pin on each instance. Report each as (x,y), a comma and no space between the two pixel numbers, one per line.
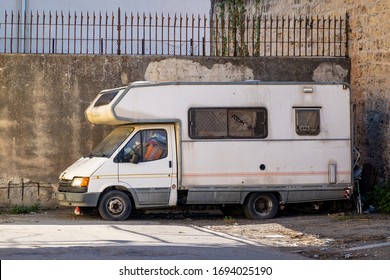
(20,209)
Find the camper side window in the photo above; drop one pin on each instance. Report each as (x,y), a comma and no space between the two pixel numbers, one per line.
(106,98)
(146,145)
(229,123)
(307,121)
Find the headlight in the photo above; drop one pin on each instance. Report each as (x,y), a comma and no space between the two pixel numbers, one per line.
(80,182)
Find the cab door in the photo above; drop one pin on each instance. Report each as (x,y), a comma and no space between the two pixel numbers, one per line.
(147,165)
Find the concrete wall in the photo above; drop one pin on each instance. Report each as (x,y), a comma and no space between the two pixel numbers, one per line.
(43,98)
(370,67)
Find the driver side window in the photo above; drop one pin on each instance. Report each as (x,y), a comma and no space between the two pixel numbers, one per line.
(146,145)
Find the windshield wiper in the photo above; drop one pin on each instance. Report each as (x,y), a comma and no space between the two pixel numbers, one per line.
(97,154)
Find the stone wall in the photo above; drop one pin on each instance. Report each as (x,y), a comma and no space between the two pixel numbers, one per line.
(370,66)
(43,98)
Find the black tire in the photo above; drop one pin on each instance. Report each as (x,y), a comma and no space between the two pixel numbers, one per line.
(261,206)
(115,206)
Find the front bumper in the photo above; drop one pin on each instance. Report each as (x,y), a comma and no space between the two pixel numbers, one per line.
(78,199)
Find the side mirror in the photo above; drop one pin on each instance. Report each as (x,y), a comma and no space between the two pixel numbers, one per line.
(135,158)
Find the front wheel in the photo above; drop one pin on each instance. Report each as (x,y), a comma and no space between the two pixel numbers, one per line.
(115,206)
(261,206)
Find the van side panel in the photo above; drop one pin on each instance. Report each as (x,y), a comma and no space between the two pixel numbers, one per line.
(266,165)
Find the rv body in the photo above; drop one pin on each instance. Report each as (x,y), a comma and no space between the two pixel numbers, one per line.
(252,144)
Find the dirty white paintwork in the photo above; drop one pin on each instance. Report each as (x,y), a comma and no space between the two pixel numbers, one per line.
(289,159)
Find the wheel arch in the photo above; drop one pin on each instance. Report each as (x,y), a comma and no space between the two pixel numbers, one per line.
(129,192)
(281,196)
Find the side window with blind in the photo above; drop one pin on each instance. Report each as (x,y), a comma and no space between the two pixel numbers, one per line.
(228,123)
(307,121)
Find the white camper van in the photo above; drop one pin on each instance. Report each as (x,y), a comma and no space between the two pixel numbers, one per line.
(252,144)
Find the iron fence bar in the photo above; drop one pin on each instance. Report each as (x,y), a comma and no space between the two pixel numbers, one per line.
(259,35)
(270,35)
(43,37)
(5,30)
(87,43)
(68,35)
(329,26)
(347,35)
(311,35)
(50,45)
(12,31)
(306,23)
(174,34)
(18,32)
(265,35)
(74,33)
(247,35)
(288,35)
(131,33)
(100,34)
(93,32)
(229,36)
(340,36)
(143,33)
(118,51)
(192,36)
(112,32)
(180,34)
(37,33)
(199,37)
(162,34)
(150,33)
(126,18)
(168,27)
(187,19)
(204,34)
(235,33)
(156,32)
(216,35)
(81,32)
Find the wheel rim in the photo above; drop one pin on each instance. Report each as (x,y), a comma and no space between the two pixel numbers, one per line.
(263,205)
(115,206)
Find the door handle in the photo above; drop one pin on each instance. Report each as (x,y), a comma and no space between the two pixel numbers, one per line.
(170,164)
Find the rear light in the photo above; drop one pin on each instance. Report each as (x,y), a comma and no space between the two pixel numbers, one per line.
(348,192)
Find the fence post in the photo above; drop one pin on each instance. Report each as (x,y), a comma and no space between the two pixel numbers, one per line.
(204,46)
(119,31)
(347,35)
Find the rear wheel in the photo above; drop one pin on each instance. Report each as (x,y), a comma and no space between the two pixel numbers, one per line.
(261,206)
(115,206)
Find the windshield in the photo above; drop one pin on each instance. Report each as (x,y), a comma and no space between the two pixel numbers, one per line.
(113,140)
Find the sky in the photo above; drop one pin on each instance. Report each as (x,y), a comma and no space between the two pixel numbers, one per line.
(201,7)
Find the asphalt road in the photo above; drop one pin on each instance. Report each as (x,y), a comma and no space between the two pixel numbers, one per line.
(93,239)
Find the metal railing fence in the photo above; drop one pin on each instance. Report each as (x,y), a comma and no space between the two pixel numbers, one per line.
(122,33)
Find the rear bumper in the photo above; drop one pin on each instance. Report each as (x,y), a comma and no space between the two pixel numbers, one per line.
(78,199)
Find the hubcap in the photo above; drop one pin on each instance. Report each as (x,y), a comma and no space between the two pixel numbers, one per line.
(115,206)
(263,205)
